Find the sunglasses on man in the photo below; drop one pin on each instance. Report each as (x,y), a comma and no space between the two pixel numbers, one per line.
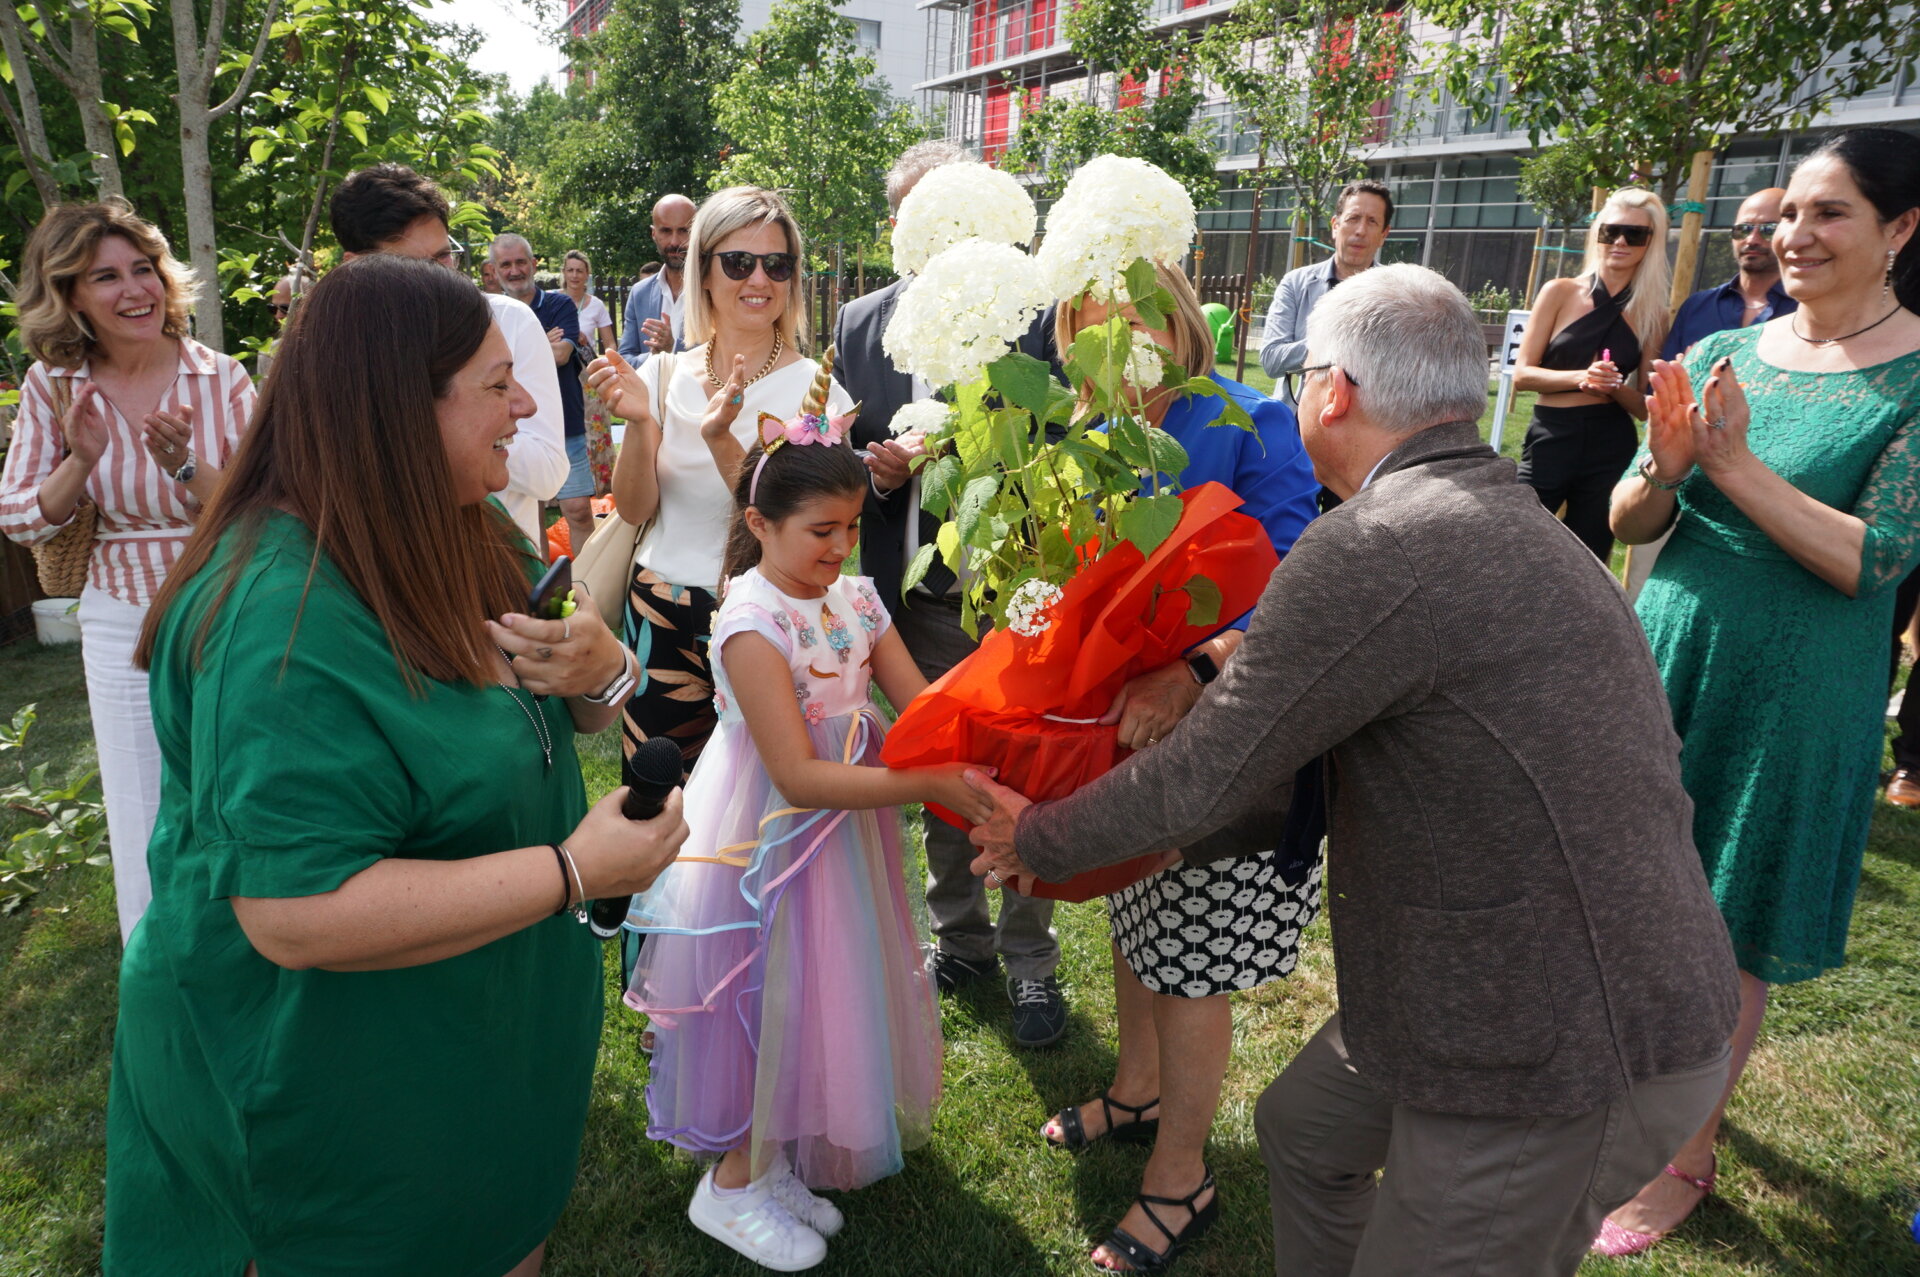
(739,265)
(1741,230)
(1635,236)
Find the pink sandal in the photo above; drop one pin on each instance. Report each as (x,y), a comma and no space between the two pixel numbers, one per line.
(1617,1241)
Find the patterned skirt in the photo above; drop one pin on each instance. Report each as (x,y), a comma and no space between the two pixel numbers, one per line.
(1193,931)
(668,627)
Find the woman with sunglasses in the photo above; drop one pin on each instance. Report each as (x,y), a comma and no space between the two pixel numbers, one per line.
(746,325)
(1585,354)
(1785,457)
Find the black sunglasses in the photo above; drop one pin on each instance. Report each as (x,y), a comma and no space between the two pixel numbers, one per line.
(739,265)
(278,309)
(1636,236)
(1742,230)
(1296,381)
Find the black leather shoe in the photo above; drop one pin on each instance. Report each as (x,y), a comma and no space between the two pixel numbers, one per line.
(951,972)
(1039,1012)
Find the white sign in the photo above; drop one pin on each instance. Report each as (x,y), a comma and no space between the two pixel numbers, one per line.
(1510,347)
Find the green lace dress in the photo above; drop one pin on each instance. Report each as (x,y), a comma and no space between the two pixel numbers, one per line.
(1776,679)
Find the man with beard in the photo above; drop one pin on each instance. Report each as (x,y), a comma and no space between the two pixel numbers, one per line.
(1752,296)
(514,264)
(656,308)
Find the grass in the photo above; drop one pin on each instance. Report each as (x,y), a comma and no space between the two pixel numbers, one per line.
(1820,1165)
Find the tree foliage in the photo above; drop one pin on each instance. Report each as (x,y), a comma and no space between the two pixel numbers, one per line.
(1558,181)
(645,128)
(807,115)
(1643,84)
(1308,80)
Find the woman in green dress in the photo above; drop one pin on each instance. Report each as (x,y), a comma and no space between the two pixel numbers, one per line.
(357,1029)
(1796,482)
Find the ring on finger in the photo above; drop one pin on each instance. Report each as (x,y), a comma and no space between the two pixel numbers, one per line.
(993,878)
(167,448)
(566,628)
(544,653)
(1718,423)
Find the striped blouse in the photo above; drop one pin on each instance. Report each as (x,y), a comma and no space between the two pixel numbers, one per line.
(145,515)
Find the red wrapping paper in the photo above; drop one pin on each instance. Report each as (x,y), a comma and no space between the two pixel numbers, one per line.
(1002,706)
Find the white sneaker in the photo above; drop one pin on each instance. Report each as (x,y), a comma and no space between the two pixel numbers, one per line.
(817,1213)
(754,1223)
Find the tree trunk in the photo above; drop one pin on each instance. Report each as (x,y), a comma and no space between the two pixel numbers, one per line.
(1244,310)
(1297,250)
(90,98)
(30,129)
(1533,267)
(196,176)
(1690,223)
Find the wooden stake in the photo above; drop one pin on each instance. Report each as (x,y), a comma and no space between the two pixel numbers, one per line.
(1690,225)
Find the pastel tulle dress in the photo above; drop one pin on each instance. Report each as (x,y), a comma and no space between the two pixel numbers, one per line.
(783,971)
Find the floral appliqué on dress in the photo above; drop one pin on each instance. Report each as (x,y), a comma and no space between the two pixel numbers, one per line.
(867,608)
(802,632)
(837,637)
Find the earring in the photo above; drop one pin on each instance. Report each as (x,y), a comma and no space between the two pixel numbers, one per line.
(1886,284)
(86,329)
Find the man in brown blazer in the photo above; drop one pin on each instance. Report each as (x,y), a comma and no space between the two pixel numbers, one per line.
(1536,990)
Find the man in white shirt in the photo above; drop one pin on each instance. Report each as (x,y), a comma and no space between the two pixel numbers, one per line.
(389,208)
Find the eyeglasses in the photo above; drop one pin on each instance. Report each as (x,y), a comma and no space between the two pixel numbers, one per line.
(1296,381)
(279,308)
(739,265)
(1741,230)
(1636,236)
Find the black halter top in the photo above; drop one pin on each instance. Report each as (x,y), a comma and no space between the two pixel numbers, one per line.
(1604,327)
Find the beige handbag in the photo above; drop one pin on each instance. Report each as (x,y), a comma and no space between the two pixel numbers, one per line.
(605,564)
(61,560)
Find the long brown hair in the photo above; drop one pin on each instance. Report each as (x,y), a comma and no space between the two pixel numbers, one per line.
(346,439)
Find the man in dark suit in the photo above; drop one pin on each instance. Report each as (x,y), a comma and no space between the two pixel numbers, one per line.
(928,618)
(1536,988)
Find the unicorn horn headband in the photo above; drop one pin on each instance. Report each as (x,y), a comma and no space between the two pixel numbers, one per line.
(811,426)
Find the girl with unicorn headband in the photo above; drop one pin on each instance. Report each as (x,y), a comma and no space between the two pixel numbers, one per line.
(795,1031)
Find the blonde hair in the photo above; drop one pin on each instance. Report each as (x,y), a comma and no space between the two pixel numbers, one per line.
(59,252)
(1189,336)
(1646,310)
(736,209)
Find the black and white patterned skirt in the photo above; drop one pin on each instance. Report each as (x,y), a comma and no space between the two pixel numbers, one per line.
(1192,931)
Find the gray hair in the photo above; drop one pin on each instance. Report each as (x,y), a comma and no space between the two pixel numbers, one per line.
(1410,342)
(507,239)
(915,163)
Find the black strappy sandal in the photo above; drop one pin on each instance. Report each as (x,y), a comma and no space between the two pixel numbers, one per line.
(1134,1251)
(1137,1131)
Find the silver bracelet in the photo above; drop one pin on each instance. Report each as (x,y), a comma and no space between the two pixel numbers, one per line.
(579,910)
(1646,472)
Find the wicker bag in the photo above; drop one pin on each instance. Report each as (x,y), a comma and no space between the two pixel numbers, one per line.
(61,559)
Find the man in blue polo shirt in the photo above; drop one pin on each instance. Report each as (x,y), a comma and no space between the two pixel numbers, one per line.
(513,264)
(1752,296)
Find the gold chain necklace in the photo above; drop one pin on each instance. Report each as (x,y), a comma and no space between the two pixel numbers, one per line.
(779,344)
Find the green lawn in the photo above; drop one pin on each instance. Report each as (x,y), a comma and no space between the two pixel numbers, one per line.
(1820,1167)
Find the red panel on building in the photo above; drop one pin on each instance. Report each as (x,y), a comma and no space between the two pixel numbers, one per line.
(993,136)
(1040,20)
(1132,92)
(980,49)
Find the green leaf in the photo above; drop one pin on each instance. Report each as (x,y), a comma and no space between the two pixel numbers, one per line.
(916,569)
(1022,381)
(1204,601)
(1169,458)
(1091,356)
(1147,521)
(377,96)
(261,149)
(1232,414)
(19,179)
(1150,315)
(937,485)
(357,127)
(949,543)
(1142,280)
(973,503)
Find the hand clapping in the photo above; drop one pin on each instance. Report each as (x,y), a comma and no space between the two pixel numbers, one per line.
(85,429)
(717,424)
(1720,422)
(169,437)
(620,389)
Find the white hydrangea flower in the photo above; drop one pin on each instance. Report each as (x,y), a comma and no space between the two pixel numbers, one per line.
(1145,367)
(927,416)
(1114,211)
(963,311)
(959,201)
(1027,609)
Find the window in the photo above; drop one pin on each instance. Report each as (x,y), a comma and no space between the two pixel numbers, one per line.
(866,33)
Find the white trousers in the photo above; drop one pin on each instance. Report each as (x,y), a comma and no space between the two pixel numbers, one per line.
(123,736)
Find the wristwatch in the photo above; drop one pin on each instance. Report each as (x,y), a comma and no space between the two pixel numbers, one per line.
(188,468)
(1203,668)
(615,691)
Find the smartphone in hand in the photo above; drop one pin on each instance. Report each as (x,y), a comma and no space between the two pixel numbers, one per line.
(553,591)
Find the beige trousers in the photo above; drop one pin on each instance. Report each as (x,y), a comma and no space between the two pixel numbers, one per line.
(1460,1195)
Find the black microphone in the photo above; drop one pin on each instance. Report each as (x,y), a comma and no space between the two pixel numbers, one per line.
(652,772)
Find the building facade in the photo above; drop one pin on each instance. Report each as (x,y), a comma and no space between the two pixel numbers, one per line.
(1454,173)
